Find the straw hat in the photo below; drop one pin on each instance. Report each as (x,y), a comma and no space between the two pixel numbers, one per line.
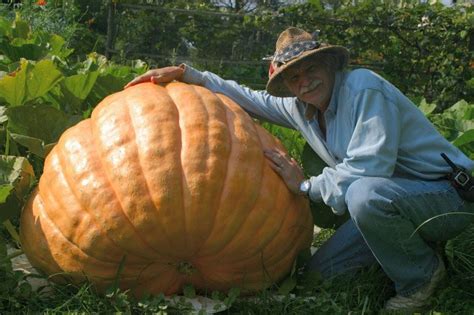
(292,46)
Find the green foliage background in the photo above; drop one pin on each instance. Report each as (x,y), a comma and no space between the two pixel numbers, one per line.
(424,49)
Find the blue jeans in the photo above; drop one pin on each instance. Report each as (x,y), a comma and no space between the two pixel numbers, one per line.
(390,224)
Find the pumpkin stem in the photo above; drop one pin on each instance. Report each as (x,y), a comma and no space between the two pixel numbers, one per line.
(185,268)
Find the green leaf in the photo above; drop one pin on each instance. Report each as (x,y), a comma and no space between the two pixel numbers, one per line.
(36,48)
(34,145)
(21,28)
(5,27)
(315,3)
(312,164)
(445,125)
(232,295)
(10,208)
(110,83)
(106,84)
(463,125)
(13,88)
(17,171)
(5,190)
(139,66)
(464,138)
(323,216)
(287,286)
(41,78)
(462,110)
(426,108)
(189,291)
(16,180)
(58,46)
(37,127)
(19,48)
(74,91)
(80,85)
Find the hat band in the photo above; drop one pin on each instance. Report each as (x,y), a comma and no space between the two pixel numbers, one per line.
(293,50)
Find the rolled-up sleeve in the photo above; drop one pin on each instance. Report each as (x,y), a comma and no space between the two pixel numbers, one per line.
(372,150)
(258,104)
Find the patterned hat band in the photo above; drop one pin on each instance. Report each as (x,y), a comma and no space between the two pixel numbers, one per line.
(294,50)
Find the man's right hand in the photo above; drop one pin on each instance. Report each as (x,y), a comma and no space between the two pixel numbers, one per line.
(160,75)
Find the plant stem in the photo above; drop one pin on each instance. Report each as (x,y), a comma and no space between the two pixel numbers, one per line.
(11,229)
(7,142)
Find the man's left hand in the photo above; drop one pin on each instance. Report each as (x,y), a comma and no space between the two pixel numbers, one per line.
(287,168)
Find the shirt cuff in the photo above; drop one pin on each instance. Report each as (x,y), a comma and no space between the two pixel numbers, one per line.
(191,75)
(315,190)
(316,195)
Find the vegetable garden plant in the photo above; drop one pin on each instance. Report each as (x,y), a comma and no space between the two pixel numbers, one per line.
(43,92)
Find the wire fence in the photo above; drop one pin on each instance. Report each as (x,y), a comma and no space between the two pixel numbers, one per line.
(115,8)
(406,63)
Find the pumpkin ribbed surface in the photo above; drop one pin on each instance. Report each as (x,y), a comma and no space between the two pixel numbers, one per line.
(170,185)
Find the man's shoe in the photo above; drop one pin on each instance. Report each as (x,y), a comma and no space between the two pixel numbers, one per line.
(420,298)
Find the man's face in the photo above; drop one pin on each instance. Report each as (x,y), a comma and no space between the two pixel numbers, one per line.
(311,82)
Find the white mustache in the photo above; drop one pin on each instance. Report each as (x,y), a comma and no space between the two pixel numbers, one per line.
(310,87)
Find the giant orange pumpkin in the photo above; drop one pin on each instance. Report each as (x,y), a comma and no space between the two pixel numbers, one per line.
(170,185)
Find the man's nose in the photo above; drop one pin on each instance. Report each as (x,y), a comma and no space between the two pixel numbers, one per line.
(305,80)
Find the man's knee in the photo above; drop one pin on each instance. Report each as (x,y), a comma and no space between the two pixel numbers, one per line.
(366,196)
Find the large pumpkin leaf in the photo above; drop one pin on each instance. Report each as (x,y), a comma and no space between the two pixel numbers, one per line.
(58,47)
(111,80)
(16,180)
(13,88)
(80,85)
(105,85)
(42,78)
(34,145)
(7,67)
(72,92)
(30,82)
(36,46)
(20,48)
(323,216)
(38,127)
